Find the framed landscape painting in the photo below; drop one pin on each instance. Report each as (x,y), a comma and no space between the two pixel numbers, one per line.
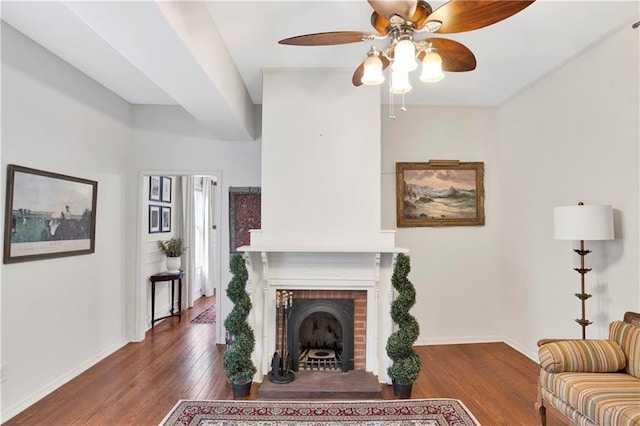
(440,193)
(48,215)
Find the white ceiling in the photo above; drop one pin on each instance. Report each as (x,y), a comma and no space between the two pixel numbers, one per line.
(511,54)
(208,56)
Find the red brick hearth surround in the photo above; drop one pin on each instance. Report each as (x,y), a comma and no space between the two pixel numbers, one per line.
(359,298)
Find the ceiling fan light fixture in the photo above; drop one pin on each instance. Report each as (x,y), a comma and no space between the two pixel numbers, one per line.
(372,71)
(399,82)
(432,26)
(431,67)
(404,56)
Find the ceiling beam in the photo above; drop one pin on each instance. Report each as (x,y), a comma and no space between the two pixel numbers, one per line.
(182,55)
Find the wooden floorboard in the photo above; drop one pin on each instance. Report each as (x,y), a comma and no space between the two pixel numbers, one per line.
(141,382)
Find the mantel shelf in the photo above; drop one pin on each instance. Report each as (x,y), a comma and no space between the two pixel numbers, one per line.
(267,249)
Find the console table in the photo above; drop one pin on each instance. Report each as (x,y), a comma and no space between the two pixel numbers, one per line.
(172,277)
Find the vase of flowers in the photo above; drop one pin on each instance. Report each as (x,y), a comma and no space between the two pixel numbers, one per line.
(174,249)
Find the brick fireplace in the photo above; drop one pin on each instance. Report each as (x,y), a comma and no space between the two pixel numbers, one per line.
(363,277)
(333,320)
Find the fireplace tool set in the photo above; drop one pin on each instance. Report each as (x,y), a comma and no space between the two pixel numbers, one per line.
(281,363)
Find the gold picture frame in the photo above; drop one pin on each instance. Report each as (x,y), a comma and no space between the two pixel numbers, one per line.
(440,193)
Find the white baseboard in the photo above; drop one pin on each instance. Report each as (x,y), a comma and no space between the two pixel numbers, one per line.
(458,340)
(532,355)
(8,412)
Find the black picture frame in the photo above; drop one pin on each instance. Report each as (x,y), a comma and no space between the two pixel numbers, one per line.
(165,219)
(48,215)
(154,219)
(155,190)
(165,189)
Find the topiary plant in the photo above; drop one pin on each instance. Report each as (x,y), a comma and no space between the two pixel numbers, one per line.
(406,362)
(237,358)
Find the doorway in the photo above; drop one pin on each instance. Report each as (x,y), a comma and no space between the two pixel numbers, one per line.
(203,261)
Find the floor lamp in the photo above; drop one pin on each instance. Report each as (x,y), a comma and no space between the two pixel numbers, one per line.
(580,223)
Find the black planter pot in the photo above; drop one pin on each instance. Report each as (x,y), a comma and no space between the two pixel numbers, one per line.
(241,390)
(402,390)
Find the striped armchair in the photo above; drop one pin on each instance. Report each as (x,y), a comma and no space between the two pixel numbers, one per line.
(593,382)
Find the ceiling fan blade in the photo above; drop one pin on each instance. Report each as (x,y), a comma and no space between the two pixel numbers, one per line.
(456,57)
(357,75)
(423,10)
(388,8)
(326,39)
(467,15)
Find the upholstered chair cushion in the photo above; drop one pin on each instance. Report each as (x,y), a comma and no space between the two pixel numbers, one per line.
(628,337)
(585,356)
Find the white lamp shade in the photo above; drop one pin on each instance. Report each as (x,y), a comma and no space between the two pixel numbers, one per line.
(431,68)
(583,222)
(399,82)
(372,71)
(404,56)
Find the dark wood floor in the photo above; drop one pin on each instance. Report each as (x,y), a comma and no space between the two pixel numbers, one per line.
(140,383)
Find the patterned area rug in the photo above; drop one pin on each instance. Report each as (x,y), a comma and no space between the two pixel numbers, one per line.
(244,215)
(431,412)
(208,316)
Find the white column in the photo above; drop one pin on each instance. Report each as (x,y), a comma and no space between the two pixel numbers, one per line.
(255,290)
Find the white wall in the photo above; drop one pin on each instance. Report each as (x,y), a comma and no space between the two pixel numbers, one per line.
(456,270)
(321,157)
(572,137)
(60,316)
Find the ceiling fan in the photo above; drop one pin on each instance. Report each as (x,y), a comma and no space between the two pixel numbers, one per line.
(401,21)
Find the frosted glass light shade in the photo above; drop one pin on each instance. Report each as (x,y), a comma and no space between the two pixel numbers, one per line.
(399,82)
(404,56)
(586,222)
(431,68)
(372,71)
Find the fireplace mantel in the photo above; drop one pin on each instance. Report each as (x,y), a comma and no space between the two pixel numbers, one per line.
(320,249)
(274,268)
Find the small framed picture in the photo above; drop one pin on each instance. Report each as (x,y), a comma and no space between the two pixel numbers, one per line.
(154,219)
(165,222)
(166,189)
(154,188)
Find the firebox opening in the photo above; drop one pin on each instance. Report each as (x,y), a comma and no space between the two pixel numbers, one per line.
(322,332)
(320,342)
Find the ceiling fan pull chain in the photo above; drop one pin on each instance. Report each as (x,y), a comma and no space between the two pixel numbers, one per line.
(392,112)
(403,108)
